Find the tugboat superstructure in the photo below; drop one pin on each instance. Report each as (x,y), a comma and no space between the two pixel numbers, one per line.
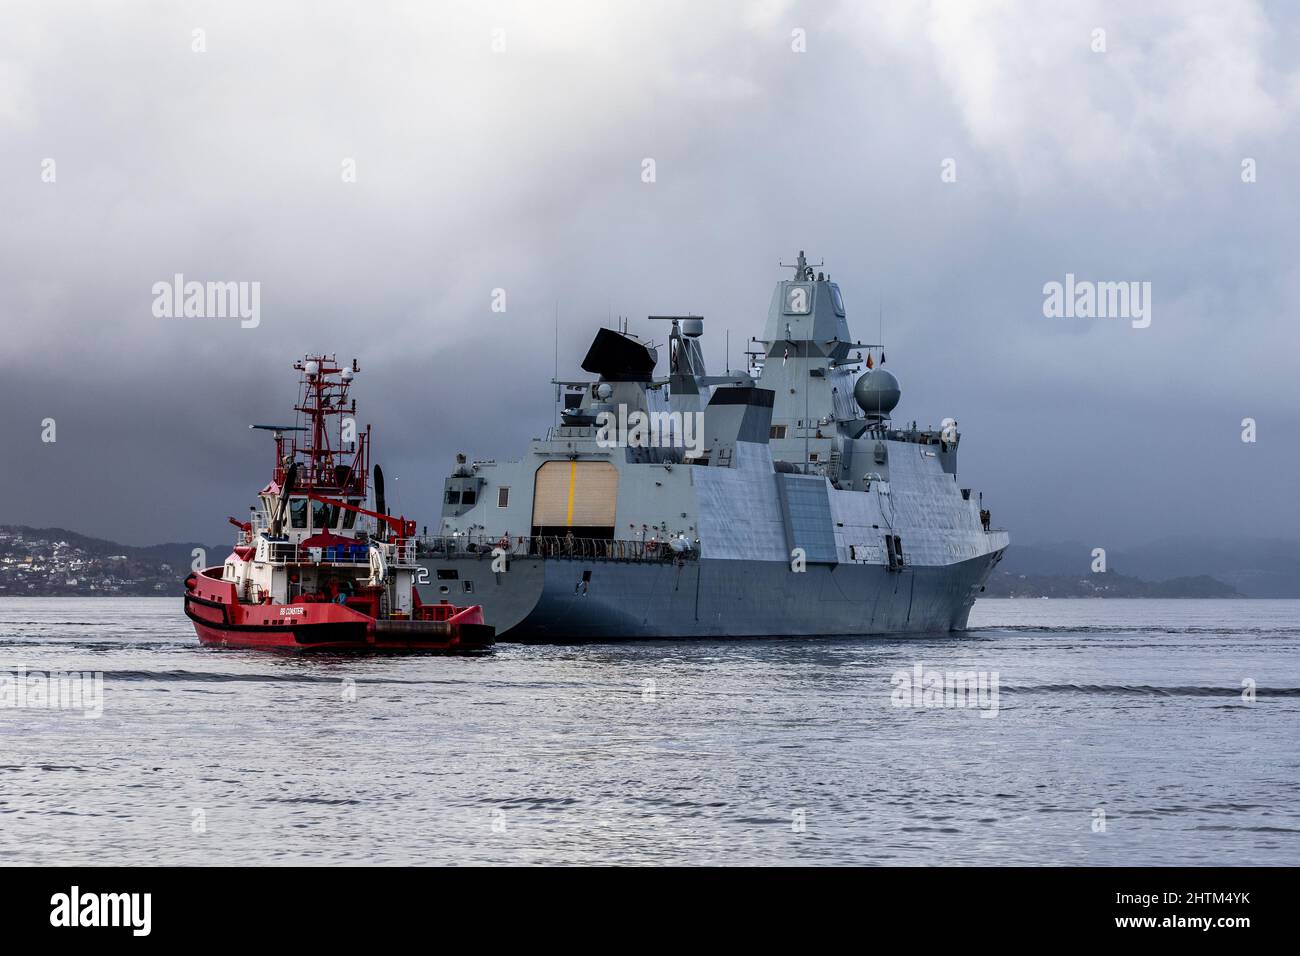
(313,568)
(794,506)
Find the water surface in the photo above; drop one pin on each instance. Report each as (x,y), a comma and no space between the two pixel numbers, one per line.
(758,752)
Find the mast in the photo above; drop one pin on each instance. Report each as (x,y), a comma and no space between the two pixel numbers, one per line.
(325,400)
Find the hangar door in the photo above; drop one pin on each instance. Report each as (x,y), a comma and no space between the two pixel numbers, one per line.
(577,496)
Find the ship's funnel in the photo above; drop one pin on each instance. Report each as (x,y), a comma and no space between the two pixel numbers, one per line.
(736,414)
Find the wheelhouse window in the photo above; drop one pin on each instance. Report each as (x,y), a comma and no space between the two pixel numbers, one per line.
(320,515)
(837,299)
(468,496)
(298,512)
(503,497)
(453,496)
(798,299)
(350,517)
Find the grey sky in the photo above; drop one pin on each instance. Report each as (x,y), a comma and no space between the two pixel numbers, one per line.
(521,170)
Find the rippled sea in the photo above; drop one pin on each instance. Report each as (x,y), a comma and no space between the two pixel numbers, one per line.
(1123,734)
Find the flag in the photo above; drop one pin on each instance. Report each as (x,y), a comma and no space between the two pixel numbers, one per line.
(870,364)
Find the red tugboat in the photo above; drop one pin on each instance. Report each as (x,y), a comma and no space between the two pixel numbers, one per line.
(307,570)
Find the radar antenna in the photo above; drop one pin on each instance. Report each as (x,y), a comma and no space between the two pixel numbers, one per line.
(802,270)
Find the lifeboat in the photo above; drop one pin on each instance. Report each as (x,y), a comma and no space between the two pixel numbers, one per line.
(312,568)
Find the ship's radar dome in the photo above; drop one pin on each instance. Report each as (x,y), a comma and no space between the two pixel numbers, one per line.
(877,392)
(603,391)
(693,327)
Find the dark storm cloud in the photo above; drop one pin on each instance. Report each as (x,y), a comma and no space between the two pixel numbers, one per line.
(521,170)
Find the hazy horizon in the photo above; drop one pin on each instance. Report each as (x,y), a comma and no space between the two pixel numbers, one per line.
(502,146)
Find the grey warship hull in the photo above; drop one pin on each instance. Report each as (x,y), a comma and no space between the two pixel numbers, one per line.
(571,599)
(779,500)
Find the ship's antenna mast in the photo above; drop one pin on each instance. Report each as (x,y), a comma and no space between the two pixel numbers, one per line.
(555,407)
(880,324)
(807,378)
(802,270)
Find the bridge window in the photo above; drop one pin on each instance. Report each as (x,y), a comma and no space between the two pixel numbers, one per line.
(298,512)
(837,299)
(468,496)
(453,496)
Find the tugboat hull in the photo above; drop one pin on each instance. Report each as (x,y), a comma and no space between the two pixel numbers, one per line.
(222,621)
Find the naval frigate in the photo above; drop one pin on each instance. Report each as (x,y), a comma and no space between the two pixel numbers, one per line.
(782,500)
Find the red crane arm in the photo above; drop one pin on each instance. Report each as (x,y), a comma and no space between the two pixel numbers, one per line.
(400,525)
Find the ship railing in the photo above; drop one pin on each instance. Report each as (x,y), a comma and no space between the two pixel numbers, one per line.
(401,553)
(348,482)
(283,552)
(256,525)
(558,547)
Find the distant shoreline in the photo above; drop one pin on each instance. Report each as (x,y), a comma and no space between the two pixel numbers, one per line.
(56,562)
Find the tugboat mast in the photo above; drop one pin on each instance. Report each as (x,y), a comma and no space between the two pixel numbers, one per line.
(326,386)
